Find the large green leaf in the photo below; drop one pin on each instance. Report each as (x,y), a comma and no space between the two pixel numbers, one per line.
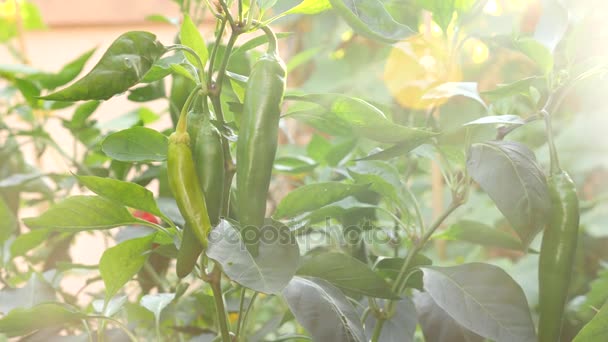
(323,310)
(362,118)
(508,172)
(371,19)
(47,315)
(125,193)
(347,273)
(269,271)
(437,325)
(122,66)
(482,298)
(191,37)
(314,196)
(382,177)
(390,268)
(596,329)
(137,144)
(401,325)
(120,263)
(78,213)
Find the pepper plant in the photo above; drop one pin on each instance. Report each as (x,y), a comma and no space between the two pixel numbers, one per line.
(417,209)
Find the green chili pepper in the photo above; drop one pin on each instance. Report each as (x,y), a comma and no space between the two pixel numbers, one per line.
(258,135)
(186,189)
(557,255)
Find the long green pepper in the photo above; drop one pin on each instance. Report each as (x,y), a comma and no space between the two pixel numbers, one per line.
(186,189)
(558,248)
(258,135)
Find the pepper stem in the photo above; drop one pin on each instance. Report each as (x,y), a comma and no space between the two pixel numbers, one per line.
(273,46)
(182,123)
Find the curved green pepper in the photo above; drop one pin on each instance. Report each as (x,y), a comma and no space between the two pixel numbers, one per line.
(258,135)
(557,255)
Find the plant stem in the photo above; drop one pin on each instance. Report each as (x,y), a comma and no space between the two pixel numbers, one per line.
(218,39)
(199,61)
(215,281)
(249,308)
(418,246)
(241,306)
(227,13)
(160,282)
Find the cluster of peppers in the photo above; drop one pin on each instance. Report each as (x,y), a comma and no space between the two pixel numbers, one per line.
(196,160)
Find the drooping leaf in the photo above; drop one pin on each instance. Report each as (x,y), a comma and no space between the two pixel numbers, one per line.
(26,242)
(382,177)
(192,38)
(78,213)
(596,329)
(401,326)
(481,234)
(482,298)
(397,150)
(294,165)
(552,24)
(537,52)
(521,193)
(347,273)
(518,87)
(120,263)
(314,196)
(437,325)
(46,315)
(323,310)
(122,66)
(371,19)
(112,306)
(156,303)
(268,272)
(137,144)
(126,193)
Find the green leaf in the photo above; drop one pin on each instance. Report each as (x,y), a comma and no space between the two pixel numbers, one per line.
(519,87)
(521,194)
(309,7)
(8,221)
(122,66)
(47,315)
(537,53)
(437,325)
(36,291)
(401,325)
(181,70)
(481,234)
(323,310)
(595,297)
(497,120)
(65,75)
(451,89)
(552,25)
(390,268)
(596,329)
(156,303)
(28,241)
(124,193)
(257,41)
(268,272)
(314,196)
(162,68)
(112,306)
(150,92)
(362,118)
(371,19)
(294,165)
(382,177)
(397,150)
(120,263)
(191,37)
(347,273)
(78,213)
(482,298)
(137,144)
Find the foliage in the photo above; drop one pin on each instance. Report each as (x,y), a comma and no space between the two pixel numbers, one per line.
(409,206)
